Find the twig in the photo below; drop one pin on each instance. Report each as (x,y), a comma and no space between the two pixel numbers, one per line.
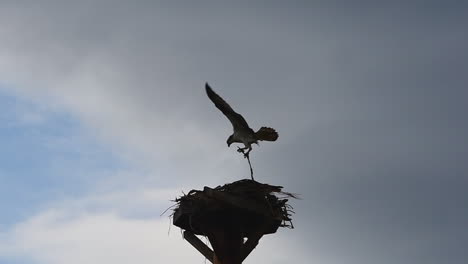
(250,165)
(246,155)
(172,206)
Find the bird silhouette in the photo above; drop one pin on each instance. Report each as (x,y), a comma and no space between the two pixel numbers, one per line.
(242,132)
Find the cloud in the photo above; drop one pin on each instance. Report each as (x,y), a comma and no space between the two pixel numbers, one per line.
(64,236)
(124,94)
(369,103)
(99,227)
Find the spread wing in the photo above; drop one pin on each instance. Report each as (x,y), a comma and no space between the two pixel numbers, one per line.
(238,122)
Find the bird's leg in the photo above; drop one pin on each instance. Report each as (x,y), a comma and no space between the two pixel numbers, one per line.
(246,154)
(241,150)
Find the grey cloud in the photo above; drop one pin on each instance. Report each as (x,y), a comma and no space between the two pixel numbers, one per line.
(369,101)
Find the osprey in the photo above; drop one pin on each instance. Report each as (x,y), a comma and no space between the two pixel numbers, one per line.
(242,132)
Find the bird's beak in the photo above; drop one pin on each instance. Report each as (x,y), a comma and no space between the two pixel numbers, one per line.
(229,144)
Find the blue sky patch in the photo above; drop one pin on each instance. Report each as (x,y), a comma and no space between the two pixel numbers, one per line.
(44,155)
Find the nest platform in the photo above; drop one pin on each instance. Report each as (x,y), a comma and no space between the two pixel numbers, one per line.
(227,214)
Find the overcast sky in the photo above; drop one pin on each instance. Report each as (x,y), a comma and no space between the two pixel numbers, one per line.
(104,119)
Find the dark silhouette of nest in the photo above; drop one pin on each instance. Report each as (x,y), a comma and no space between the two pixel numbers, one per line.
(251,205)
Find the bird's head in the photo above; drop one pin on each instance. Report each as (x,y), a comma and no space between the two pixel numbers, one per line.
(229,141)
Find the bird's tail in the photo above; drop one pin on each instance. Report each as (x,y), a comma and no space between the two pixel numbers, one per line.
(266,133)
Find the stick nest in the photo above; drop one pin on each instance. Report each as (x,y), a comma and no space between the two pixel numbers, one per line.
(245,197)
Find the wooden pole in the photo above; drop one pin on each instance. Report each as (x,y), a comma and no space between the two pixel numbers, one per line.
(227,245)
(199,245)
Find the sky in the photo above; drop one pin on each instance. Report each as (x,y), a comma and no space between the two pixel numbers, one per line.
(104,120)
